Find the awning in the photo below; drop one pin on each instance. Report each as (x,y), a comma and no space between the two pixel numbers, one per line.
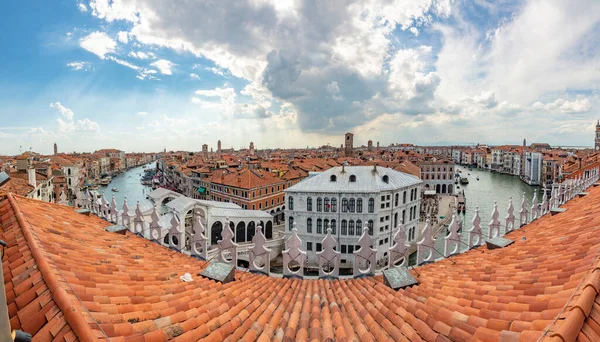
(201,190)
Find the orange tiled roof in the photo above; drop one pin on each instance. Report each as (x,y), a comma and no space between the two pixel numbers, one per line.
(15,185)
(547,282)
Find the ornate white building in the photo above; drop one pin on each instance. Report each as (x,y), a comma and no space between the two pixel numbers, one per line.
(348,198)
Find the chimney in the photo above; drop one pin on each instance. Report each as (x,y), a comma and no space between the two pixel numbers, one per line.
(31,176)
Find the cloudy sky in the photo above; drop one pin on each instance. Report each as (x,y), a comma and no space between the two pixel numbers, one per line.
(143,75)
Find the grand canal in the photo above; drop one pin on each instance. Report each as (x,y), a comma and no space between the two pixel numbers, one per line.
(493,187)
(129,186)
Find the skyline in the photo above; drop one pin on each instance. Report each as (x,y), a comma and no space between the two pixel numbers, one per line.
(143,76)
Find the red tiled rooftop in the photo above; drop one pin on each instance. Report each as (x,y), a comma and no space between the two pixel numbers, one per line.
(66,277)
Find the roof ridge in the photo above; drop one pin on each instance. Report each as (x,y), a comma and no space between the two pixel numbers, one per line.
(586,292)
(72,315)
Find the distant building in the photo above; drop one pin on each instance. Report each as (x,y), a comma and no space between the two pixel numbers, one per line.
(205,151)
(348,144)
(597,139)
(348,198)
(370,145)
(438,175)
(532,174)
(55,149)
(219,148)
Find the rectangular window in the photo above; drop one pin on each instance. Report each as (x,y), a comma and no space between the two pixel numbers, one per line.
(387,205)
(383,198)
(350,249)
(382,205)
(387,197)
(309,246)
(318,246)
(343,249)
(404,197)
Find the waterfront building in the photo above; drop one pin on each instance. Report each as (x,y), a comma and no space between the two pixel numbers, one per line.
(533,168)
(438,175)
(349,198)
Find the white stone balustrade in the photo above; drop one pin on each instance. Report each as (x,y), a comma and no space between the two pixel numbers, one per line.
(534,207)
(114,212)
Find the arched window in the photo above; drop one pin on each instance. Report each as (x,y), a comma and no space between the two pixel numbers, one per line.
(309,204)
(344,227)
(395,220)
(319,204)
(326,202)
(370,225)
(352,178)
(332,178)
(333,227)
(386,179)
(404,197)
(359,227)
(359,205)
(351,227)
(291,203)
(396,200)
(291,222)
(371,205)
(334,205)
(344,205)
(351,205)
(309,225)
(319,226)
(325,225)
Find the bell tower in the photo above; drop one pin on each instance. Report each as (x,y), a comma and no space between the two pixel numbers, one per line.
(348,144)
(597,139)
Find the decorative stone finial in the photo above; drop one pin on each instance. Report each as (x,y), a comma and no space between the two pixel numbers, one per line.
(138,221)
(199,243)
(397,254)
(125,215)
(293,256)
(534,207)
(474,238)
(63,198)
(494,226)
(176,236)
(228,248)
(510,217)
(155,228)
(365,255)
(114,212)
(524,212)
(329,257)
(425,247)
(259,252)
(452,240)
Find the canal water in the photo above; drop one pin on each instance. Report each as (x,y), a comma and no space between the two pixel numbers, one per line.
(493,187)
(129,186)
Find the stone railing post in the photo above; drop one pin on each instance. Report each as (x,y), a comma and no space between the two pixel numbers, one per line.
(534,207)
(494,226)
(155,228)
(329,257)
(63,198)
(474,238)
(138,221)
(398,249)
(544,205)
(426,245)
(125,215)
(259,251)
(114,212)
(105,208)
(176,234)
(452,240)
(199,243)
(552,201)
(293,254)
(226,245)
(365,255)
(523,213)
(510,217)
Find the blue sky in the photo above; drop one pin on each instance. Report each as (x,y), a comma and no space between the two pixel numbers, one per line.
(148,74)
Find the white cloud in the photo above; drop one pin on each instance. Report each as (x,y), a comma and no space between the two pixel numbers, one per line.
(82,7)
(85,66)
(154,124)
(164,66)
(579,105)
(123,37)
(142,55)
(194,76)
(67,124)
(98,43)
(142,113)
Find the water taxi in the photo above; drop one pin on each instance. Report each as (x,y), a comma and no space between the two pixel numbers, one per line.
(114,190)
(464,180)
(104,181)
